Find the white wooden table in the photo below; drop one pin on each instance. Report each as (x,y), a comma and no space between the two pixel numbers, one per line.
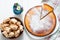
(6,10)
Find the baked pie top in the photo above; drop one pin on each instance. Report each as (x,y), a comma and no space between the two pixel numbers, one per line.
(40,20)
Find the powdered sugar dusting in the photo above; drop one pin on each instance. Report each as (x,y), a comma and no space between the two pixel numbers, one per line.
(37,24)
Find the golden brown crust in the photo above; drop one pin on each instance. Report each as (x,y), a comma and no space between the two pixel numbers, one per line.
(26,22)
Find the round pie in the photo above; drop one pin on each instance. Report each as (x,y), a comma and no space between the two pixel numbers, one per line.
(40,20)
